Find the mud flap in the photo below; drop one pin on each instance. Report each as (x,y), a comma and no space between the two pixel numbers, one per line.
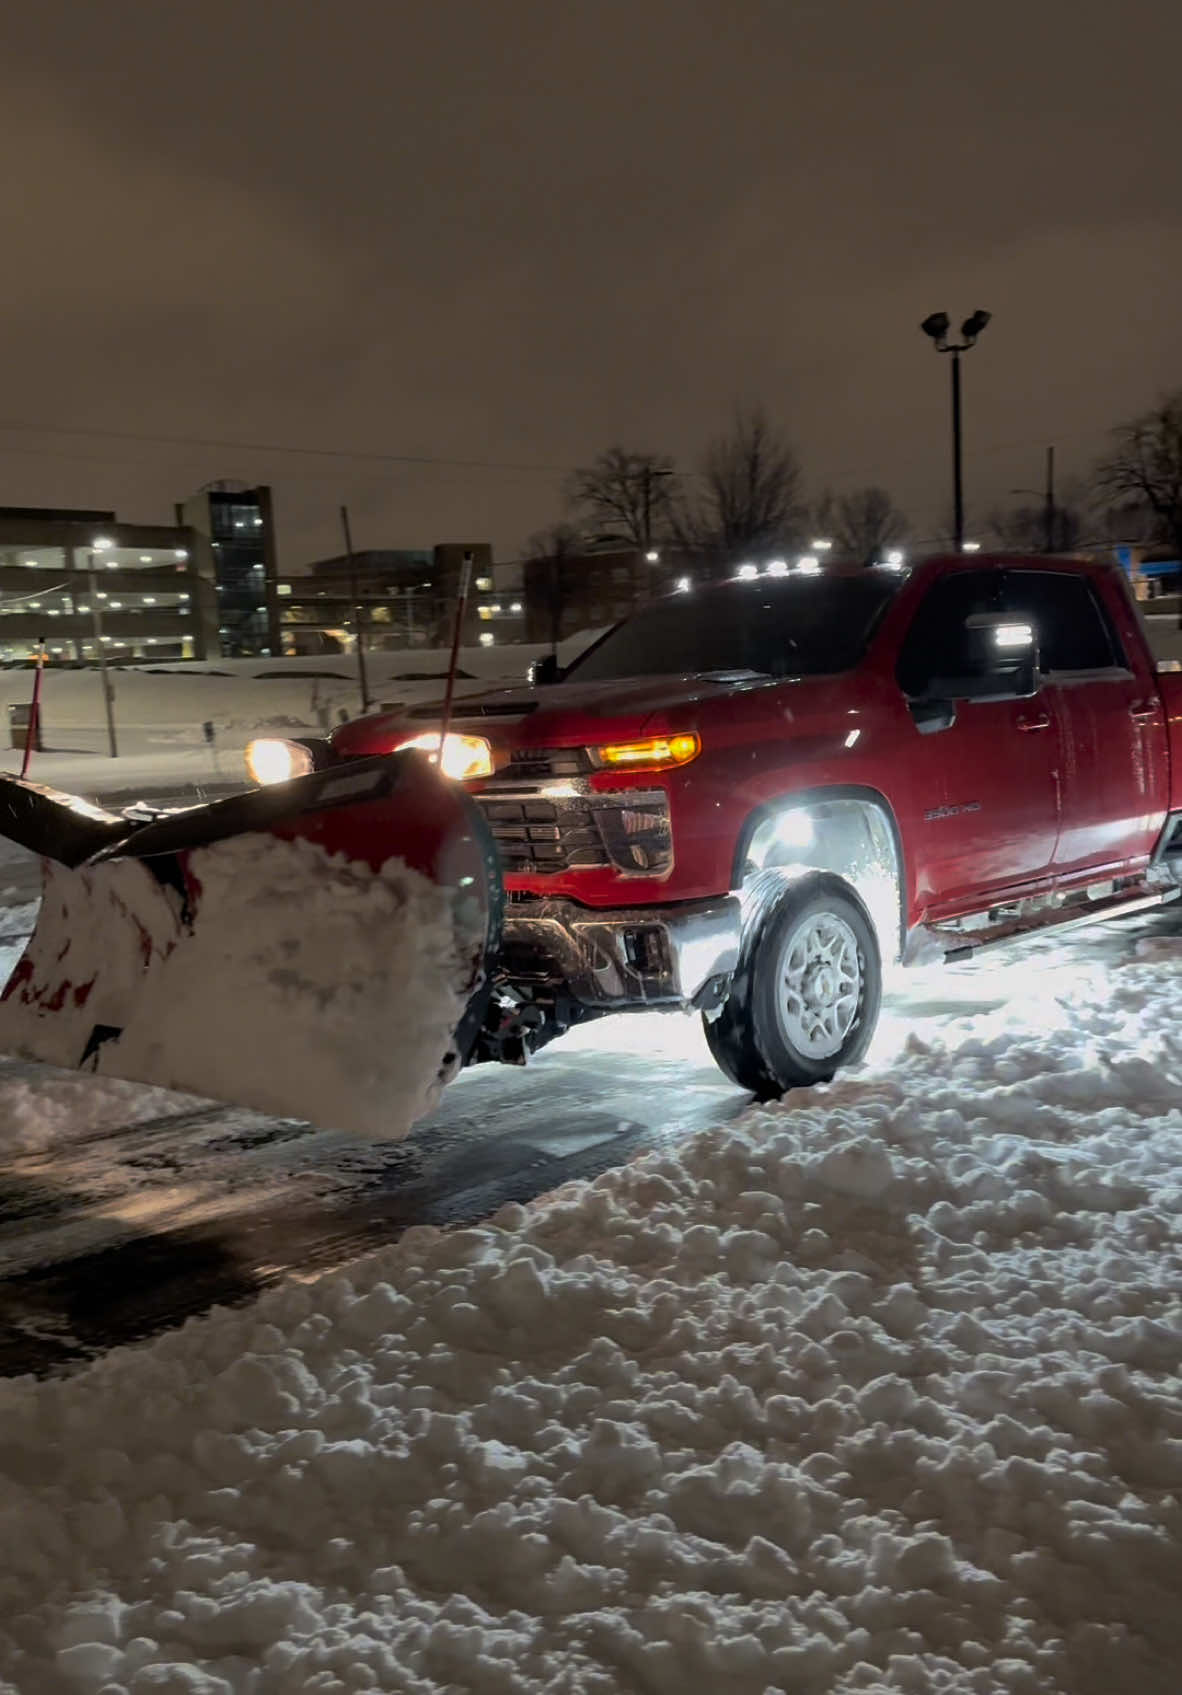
(319,949)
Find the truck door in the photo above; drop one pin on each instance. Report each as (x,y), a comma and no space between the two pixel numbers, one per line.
(983,787)
(1112,724)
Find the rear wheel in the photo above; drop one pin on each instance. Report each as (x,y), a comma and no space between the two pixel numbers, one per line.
(805,998)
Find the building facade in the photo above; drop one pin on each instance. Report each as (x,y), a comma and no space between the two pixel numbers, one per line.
(238,524)
(403,598)
(589,591)
(74,582)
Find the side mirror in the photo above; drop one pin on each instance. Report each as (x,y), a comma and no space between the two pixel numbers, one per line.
(545,670)
(1018,681)
(1005,650)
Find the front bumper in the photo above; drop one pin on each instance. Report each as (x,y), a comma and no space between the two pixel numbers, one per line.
(637,956)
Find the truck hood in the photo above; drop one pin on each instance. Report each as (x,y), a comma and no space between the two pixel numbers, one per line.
(549,716)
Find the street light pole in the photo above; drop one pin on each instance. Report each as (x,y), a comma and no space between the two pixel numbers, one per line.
(957,455)
(96,619)
(936,327)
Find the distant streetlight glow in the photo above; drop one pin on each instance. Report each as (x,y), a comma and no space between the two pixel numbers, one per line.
(971,547)
(809,564)
(652,555)
(487,638)
(748,571)
(895,556)
(683,585)
(777,568)
(821,546)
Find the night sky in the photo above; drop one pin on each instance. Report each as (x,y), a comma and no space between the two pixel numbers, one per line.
(517,232)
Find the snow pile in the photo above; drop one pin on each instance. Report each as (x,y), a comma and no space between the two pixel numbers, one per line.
(310,985)
(875,1390)
(39,1113)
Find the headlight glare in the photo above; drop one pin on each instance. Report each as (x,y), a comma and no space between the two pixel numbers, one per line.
(463,757)
(270,760)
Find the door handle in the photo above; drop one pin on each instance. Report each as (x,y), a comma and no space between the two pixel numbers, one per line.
(1042,722)
(1143,709)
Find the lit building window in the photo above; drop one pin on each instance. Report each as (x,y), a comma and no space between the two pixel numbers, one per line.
(481,583)
(283,588)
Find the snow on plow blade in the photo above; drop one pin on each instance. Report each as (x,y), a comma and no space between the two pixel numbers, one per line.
(316,949)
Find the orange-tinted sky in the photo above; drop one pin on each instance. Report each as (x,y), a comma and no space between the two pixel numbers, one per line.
(514,231)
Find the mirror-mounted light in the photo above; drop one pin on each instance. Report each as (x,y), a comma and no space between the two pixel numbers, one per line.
(1013,636)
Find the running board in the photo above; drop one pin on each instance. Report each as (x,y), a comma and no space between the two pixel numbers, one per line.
(1018,929)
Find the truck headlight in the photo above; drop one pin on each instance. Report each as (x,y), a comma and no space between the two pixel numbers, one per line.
(462,758)
(270,760)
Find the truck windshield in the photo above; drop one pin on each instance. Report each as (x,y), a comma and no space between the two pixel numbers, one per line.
(781,628)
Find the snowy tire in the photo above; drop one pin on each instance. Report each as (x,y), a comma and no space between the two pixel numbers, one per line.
(806,995)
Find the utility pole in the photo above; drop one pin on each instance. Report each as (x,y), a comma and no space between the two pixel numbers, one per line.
(358,629)
(1050,506)
(96,620)
(651,555)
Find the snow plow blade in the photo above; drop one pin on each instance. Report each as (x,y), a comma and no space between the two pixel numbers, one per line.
(318,949)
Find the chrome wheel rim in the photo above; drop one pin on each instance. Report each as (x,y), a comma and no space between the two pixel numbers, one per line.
(820,985)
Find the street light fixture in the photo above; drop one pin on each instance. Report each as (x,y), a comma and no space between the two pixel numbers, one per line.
(936,326)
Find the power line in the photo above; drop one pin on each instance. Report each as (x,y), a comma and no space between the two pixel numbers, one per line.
(236,446)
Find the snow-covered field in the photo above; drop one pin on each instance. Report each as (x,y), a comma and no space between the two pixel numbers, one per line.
(160,712)
(876,1389)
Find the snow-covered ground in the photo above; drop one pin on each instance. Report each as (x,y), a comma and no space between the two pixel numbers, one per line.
(876,1389)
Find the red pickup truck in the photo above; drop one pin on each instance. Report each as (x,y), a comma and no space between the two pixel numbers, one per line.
(751,795)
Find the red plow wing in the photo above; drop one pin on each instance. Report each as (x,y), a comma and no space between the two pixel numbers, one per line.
(316,950)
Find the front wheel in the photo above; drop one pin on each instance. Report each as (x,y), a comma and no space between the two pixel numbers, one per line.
(806,995)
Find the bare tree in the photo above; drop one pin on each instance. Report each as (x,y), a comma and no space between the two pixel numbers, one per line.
(1144,468)
(627,496)
(548,565)
(863,524)
(1035,529)
(750,497)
